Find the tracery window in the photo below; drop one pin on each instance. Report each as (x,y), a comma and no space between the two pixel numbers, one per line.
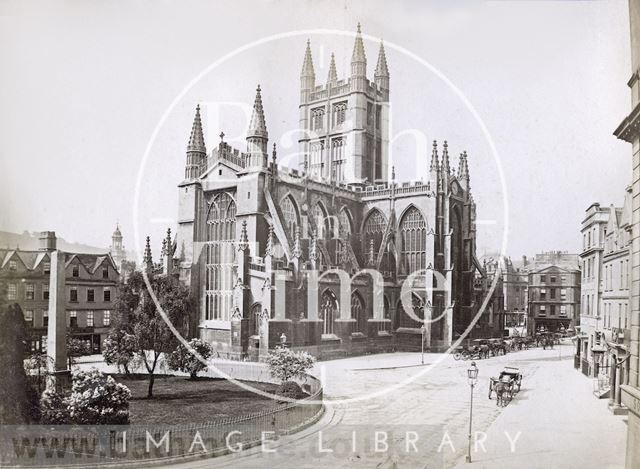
(290,213)
(358,312)
(339,113)
(317,160)
(317,118)
(220,257)
(374,228)
(413,232)
(328,311)
(338,159)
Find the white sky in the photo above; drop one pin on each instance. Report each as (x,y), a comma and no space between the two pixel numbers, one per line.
(83,85)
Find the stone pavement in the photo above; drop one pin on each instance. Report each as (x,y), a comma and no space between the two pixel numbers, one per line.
(555,421)
(561,422)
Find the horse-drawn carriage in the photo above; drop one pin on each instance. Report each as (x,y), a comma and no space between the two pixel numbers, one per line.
(506,385)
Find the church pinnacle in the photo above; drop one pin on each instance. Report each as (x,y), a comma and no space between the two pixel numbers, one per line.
(196,139)
(146,258)
(434,157)
(257,125)
(446,169)
(257,135)
(358,58)
(382,70)
(196,150)
(333,74)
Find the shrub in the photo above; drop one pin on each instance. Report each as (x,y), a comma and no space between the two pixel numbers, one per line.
(183,360)
(95,399)
(290,390)
(286,364)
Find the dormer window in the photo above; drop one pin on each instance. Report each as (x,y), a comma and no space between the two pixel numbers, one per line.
(13,265)
(75,272)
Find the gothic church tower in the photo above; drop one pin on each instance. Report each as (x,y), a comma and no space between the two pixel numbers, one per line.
(345,122)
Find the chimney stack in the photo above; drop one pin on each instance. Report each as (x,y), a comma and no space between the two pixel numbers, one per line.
(47,241)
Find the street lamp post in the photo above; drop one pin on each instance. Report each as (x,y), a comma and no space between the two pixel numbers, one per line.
(472,375)
(423,329)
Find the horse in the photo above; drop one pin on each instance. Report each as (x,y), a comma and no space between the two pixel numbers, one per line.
(502,388)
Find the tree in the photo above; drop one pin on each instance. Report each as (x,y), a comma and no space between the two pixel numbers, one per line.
(182,359)
(136,314)
(76,348)
(18,400)
(119,349)
(285,364)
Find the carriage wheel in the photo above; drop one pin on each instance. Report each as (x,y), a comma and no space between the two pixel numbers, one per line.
(457,356)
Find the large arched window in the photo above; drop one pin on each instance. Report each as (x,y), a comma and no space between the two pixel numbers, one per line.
(374,228)
(358,312)
(220,257)
(290,213)
(328,311)
(413,232)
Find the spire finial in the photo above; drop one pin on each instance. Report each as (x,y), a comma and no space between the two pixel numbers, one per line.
(313,247)
(222,136)
(393,173)
(146,258)
(297,250)
(359,30)
(244,239)
(269,250)
(371,261)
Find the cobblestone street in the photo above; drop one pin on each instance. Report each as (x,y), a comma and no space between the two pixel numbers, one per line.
(425,423)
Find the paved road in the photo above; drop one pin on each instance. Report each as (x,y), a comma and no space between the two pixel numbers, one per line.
(425,423)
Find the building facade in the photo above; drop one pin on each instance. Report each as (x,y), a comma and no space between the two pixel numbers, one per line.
(553,292)
(318,257)
(515,285)
(591,344)
(91,290)
(616,267)
(629,131)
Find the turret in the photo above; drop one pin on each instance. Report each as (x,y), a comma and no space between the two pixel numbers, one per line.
(381,74)
(257,135)
(308,75)
(358,62)
(196,150)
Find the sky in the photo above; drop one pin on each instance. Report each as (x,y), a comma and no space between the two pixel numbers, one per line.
(85,85)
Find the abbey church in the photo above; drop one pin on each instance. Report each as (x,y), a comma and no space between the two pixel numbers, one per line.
(335,257)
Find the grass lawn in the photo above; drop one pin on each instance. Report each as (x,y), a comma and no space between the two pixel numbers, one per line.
(177,400)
